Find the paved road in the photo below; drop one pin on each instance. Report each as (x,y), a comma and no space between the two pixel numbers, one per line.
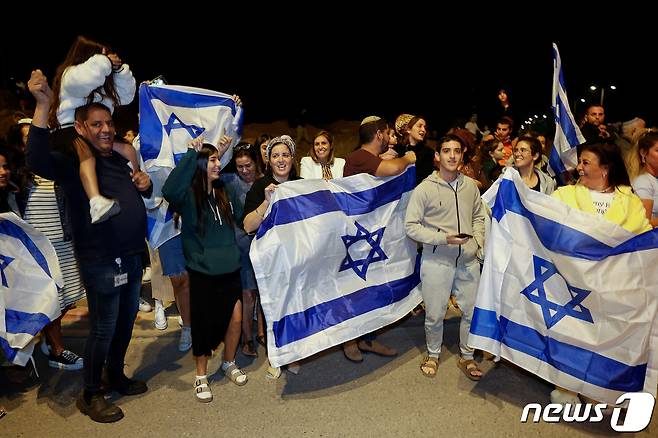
(330,397)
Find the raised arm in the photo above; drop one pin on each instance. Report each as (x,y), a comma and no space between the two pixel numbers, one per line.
(177,186)
(38,156)
(395,166)
(124,81)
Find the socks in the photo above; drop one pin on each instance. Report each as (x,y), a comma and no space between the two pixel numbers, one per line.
(227,364)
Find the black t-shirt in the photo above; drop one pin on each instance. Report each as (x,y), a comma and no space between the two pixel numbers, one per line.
(424,159)
(256,194)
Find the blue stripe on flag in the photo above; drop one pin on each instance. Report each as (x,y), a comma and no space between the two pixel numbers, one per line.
(12,230)
(555,161)
(302,207)
(23,322)
(150,127)
(561,238)
(567,124)
(578,362)
(190,100)
(8,351)
(315,319)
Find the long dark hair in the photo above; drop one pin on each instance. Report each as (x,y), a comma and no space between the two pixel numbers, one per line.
(263,138)
(609,156)
(200,190)
(82,49)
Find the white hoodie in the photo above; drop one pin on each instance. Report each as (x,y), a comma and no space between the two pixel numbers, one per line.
(78,81)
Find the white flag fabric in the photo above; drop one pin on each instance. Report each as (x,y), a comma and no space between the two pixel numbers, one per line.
(160,226)
(567,134)
(333,262)
(171,116)
(29,280)
(567,295)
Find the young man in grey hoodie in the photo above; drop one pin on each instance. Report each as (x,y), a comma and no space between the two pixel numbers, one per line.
(446,215)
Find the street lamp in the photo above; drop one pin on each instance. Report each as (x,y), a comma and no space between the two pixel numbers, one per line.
(594,87)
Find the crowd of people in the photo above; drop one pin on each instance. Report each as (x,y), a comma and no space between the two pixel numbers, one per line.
(67,173)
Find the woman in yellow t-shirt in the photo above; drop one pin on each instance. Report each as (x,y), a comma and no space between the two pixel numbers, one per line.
(603,189)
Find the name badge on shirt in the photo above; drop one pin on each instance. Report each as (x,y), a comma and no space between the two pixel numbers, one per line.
(120,279)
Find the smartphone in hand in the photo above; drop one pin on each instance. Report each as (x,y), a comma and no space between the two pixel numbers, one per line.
(463,236)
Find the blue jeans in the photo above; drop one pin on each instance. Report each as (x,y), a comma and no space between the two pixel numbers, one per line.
(112,313)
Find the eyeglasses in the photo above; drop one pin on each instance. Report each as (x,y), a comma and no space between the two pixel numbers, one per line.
(241,147)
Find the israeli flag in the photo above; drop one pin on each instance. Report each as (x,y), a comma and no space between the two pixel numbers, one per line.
(160,225)
(333,262)
(170,117)
(563,156)
(567,295)
(29,281)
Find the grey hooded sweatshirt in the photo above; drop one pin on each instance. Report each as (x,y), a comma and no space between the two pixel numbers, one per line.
(436,210)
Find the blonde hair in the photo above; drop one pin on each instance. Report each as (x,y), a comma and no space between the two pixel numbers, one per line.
(643,140)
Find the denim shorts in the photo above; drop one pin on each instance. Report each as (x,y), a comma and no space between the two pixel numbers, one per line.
(172,257)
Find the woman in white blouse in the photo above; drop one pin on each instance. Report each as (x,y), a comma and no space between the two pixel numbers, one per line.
(321,162)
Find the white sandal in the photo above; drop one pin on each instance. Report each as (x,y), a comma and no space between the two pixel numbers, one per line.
(236,375)
(202,390)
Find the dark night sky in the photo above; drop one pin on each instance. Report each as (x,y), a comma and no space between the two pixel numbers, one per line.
(346,74)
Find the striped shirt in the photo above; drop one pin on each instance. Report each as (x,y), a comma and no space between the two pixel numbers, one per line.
(42,213)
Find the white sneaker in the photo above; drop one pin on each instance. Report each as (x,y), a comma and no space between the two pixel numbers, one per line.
(564,397)
(160,318)
(146,276)
(185,340)
(144,306)
(102,208)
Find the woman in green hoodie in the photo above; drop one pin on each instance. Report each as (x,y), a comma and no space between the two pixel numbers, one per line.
(212,258)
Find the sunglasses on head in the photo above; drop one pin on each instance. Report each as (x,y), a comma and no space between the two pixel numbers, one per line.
(242,147)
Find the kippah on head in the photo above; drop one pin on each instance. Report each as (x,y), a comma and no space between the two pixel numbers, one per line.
(370,119)
(402,122)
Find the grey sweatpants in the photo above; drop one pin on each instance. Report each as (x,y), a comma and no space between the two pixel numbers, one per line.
(438,281)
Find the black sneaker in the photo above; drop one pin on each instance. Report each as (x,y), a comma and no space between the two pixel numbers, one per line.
(125,386)
(68,360)
(99,409)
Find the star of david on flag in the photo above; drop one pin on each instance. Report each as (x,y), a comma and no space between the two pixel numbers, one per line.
(333,262)
(170,117)
(28,291)
(4,262)
(567,295)
(554,312)
(375,254)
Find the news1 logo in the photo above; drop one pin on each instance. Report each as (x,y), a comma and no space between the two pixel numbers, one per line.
(638,412)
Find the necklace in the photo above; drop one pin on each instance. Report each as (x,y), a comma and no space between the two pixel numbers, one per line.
(602,191)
